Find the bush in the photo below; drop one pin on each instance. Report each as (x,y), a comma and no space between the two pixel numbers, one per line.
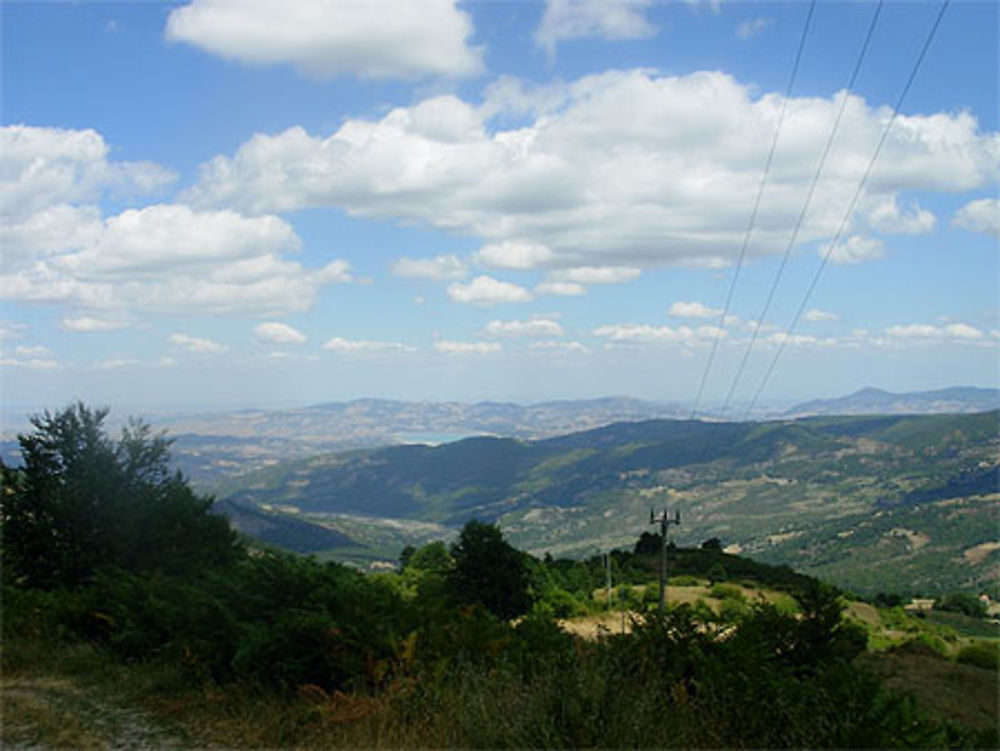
(923,644)
(962,602)
(982,654)
(728,592)
(684,580)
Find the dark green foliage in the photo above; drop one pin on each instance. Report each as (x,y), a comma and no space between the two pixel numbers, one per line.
(982,654)
(455,670)
(489,571)
(717,573)
(433,557)
(81,502)
(712,543)
(649,543)
(962,602)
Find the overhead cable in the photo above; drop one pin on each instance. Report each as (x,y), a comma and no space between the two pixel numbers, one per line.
(850,209)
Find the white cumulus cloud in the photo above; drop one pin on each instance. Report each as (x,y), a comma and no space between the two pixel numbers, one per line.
(560,289)
(982,215)
(513,254)
(931,332)
(439,268)
(625,168)
(854,250)
(196,344)
(597,274)
(466,348)
(607,19)
(278,333)
(367,38)
(815,315)
(533,327)
(693,310)
(353,346)
(485,290)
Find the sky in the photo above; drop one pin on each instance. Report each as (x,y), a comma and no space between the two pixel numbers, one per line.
(253,203)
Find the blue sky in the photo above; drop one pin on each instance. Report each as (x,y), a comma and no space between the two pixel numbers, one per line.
(219,204)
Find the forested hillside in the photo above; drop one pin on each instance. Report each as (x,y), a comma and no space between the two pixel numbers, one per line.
(117,579)
(786,491)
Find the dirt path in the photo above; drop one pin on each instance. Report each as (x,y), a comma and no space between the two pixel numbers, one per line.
(44,713)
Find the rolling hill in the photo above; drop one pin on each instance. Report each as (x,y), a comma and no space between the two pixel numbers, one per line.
(758,486)
(872,401)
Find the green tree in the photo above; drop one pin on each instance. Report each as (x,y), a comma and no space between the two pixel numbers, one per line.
(432,557)
(962,602)
(489,571)
(81,501)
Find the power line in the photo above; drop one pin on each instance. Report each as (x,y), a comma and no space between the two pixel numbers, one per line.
(805,208)
(753,214)
(850,208)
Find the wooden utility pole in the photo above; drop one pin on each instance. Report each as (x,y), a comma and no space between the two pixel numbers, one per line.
(664,520)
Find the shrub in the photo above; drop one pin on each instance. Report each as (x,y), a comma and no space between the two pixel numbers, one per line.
(684,580)
(923,644)
(982,654)
(728,592)
(962,602)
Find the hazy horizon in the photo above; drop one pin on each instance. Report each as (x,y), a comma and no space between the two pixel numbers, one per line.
(493,201)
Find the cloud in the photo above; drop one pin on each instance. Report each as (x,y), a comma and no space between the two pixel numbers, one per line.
(515,255)
(533,327)
(278,333)
(172,259)
(749,29)
(693,310)
(367,38)
(354,346)
(439,268)
(982,215)
(617,169)
(560,289)
(129,363)
(644,333)
(814,315)
(579,19)
(32,363)
(568,347)
(597,274)
(887,217)
(929,332)
(10,330)
(854,250)
(160,238)
(485,290)
(196,344)
(45,167)
(466,348)
(167,258)
(89,324)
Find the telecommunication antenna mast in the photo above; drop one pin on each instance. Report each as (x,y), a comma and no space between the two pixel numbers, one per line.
(664,520)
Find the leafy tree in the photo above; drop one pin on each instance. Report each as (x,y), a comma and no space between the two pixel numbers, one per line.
(712,543)
(962,602)
(81,502)
(489,571)
(405,554)
(432,557)
(649,543)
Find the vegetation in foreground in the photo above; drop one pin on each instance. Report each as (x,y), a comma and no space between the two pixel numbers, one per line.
(250,648)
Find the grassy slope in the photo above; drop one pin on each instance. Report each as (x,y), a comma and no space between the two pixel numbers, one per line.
(791,491)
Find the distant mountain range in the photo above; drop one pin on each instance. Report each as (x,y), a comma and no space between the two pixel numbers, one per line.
(871,401)
(786,491)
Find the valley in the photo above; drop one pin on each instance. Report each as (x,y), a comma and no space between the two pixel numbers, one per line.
(853,499)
